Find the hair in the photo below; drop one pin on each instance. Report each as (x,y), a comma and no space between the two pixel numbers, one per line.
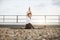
(28,14)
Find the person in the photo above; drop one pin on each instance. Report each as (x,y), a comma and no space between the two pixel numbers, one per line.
(28,21)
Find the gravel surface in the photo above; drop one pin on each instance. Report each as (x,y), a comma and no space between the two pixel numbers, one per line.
(30,34)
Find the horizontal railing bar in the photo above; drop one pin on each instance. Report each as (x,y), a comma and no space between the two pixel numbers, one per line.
(9,22)
(10,19)
(32,19)
(32,15)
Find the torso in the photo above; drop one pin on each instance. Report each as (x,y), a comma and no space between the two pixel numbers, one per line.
(28,20)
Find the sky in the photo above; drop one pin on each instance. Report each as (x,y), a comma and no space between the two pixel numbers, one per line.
(38,7)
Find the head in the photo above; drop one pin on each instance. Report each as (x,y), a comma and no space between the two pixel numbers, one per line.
(29,15)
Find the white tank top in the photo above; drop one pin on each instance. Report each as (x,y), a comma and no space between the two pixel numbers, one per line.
(28,20)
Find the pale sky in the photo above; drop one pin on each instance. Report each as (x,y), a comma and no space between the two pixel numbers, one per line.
(38,7)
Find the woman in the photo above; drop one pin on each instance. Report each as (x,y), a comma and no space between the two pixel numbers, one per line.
(28,21)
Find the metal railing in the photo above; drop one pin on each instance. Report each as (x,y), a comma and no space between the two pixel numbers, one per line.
(36,19)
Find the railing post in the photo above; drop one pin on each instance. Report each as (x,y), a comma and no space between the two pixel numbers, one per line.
(45,22)
(59,20)
(45,19)
(17,19)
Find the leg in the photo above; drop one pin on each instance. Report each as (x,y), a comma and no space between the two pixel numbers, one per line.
(31,25)
(27,26)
